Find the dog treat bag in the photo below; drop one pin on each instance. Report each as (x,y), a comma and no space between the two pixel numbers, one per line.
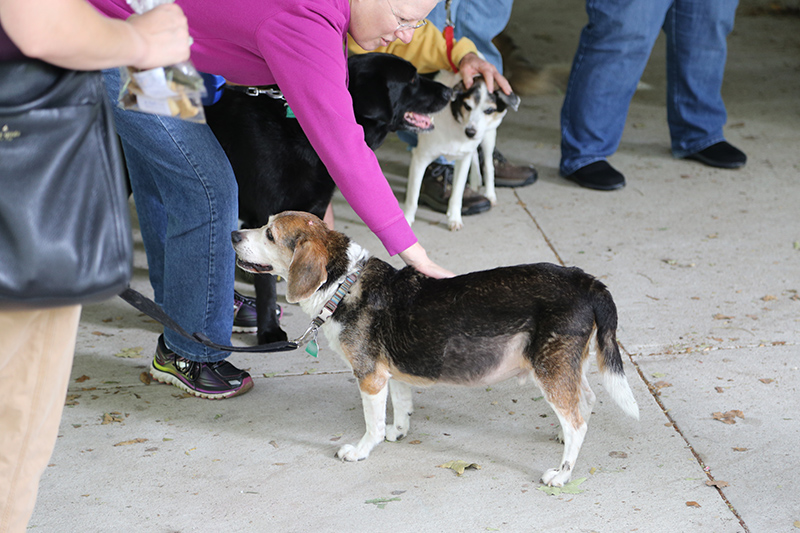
(174,91)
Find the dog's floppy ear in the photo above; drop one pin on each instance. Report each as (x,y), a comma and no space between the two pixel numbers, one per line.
(458,89)
(510,100)
(308,270)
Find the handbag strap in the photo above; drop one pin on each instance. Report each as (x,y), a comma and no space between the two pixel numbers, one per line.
(153,310)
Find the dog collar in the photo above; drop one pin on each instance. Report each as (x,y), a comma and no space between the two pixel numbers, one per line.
(265,90)
(310,335)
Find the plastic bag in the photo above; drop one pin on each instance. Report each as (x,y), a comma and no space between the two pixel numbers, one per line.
(174,91)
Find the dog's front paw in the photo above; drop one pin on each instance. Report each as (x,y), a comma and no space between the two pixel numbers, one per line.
(350,453)
(395,433)
(455,225)
(556,477)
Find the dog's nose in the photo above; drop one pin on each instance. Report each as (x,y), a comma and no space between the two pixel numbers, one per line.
(236,237)
(470,132)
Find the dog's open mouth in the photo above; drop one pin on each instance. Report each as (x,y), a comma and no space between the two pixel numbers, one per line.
(252,267)
(418,121)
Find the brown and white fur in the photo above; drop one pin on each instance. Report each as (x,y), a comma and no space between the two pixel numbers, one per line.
(398,328)
(470,121)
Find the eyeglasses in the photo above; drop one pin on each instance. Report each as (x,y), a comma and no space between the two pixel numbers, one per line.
(403,24)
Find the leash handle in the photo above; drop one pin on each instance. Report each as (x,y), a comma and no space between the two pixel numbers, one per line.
(153,310)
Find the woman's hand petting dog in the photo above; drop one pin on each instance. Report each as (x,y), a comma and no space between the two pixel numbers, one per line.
(416,256)
(472,65)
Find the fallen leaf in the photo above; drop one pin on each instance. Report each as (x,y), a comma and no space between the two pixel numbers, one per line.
(127,442)
(101,334)
(274,444)
(381,502)
(618,455)
(797,524)
(415,442)
(82,379)
(718,484)
(766,380)
(459,466)
(146,378)
(569,488)
(692,504)
(114,416)
(728,416)
(661,384)
(130,353)
(740,449)
(769,298)
(72,399)
(720,316)
(719,389)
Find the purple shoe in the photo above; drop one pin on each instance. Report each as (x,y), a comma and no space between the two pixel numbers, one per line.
(215,381)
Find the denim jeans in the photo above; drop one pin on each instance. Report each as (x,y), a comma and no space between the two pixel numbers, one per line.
(479,21)
(187,202)
(612,53)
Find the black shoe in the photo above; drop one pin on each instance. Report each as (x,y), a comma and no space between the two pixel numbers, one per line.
(437,183)
(214,381)
(720,155)
(599,176)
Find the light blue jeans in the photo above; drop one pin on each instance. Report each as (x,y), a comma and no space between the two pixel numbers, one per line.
(612,53)
(187,202)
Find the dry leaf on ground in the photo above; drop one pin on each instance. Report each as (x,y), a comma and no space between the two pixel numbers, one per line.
(692,504)
(130,353)
(728,417)
(127,442)
(569,488)
(111,417)
(459,466)
(146,378)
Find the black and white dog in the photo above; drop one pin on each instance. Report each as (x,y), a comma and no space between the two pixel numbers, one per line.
(278,170)
(400,328)
(470,121)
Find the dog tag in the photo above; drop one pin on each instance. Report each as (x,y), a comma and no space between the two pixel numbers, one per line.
(312,348)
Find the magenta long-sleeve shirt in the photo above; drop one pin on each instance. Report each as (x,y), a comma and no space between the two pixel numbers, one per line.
(300,46)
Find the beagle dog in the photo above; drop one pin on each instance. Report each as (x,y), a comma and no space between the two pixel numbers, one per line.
(398,328)
(470,121)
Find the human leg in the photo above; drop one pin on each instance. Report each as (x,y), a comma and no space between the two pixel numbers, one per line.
(612,53)
(186,199)
(696,32)
(35,364)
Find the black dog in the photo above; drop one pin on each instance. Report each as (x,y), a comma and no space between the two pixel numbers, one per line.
(278,170)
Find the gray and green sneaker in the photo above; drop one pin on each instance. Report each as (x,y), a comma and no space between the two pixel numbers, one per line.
(215,381)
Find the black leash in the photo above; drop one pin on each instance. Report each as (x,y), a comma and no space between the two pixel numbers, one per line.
(153,310)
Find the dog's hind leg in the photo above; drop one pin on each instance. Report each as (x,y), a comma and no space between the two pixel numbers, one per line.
(487,171)
(403,407)
(574,429)
(374,391)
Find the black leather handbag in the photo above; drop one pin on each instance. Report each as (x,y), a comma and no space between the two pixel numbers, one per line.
(65,234)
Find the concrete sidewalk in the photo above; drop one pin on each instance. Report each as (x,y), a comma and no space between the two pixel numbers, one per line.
(704,266)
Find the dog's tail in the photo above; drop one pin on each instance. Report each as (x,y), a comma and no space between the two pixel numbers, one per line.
(609,360)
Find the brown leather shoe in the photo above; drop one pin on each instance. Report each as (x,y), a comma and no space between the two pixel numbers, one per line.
(437,183)
(509,175)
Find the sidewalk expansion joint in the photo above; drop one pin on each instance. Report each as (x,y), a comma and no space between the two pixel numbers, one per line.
(674,424)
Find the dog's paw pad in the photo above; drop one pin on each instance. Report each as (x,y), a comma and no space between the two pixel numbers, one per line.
(455,225)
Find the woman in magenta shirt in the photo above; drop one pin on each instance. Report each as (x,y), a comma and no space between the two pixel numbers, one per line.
(185,190)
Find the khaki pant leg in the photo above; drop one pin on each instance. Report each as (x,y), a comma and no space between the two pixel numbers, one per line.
(36,351)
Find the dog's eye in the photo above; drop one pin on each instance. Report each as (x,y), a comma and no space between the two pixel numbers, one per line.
(467,106)
(270,238)
(490,111)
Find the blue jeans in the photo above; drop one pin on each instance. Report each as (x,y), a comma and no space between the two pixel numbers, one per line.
(187,202)
(612,53)
(479,21)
